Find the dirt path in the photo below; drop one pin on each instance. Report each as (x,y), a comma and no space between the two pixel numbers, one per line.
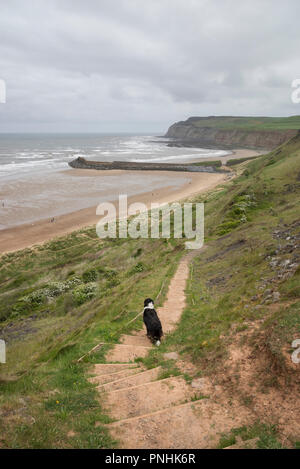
(161,413)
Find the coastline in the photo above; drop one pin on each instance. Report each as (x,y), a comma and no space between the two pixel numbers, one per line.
(235,154)
(29,234)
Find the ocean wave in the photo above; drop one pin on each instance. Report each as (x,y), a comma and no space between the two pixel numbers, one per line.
(188,156)
(29,156)
(15,165)
(21,157)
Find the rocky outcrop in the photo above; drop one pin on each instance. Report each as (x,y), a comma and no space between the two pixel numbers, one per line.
(82,163)
(189,132)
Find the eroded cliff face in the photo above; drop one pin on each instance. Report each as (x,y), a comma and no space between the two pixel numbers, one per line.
(228,138)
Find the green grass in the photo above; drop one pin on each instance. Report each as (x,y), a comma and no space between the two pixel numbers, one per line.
(216,163)
(57,301)
(67,300)
(225,292)
(240,221)
(237,161)
(267,436)
(246,123)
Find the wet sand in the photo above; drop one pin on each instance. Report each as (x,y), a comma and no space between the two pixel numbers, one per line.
(27,235)
(235,154)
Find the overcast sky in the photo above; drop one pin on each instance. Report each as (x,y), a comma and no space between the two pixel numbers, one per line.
(140,65)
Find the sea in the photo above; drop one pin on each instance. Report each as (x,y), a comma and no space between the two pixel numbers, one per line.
(36,181)
(27,153)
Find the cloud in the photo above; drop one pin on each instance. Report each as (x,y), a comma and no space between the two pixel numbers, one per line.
(128,65)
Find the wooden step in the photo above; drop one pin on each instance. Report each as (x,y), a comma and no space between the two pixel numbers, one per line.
(130,381)
(143,408)
(141,339)
(107,378)
(146,398)
(196,424)
(108,368)
(126,353)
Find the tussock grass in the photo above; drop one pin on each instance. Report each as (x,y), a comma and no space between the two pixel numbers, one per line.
(68,298)
(267,436)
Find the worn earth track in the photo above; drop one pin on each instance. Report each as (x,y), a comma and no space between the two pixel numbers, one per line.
(149,412)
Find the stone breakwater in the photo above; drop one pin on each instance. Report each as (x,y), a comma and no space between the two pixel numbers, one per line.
(82,163)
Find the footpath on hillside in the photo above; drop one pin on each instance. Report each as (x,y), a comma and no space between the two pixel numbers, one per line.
(149,412)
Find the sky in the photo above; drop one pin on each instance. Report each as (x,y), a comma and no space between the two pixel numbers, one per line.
(141,65)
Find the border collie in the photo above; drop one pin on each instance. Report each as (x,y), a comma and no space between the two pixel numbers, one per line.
(152,322)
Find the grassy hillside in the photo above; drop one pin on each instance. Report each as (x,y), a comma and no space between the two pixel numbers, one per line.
(244,297)
(246,123)
(253,231)
(59,300)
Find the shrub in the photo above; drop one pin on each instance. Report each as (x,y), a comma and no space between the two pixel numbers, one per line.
(72,282)
(54,289)
(29,302)
(238,213)
(89,276)
(137,253)
(57,288)
(112,283)
(84,293)
(35,298)
(137,268)
(227,226)
(110,274)
(42,295)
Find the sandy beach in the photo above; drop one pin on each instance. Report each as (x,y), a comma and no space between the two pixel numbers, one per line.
(27,235)
(235,154)
(176,187)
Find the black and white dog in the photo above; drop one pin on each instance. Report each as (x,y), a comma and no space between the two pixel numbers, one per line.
(152,322)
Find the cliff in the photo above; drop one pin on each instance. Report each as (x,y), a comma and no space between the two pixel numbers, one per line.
(228,132)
